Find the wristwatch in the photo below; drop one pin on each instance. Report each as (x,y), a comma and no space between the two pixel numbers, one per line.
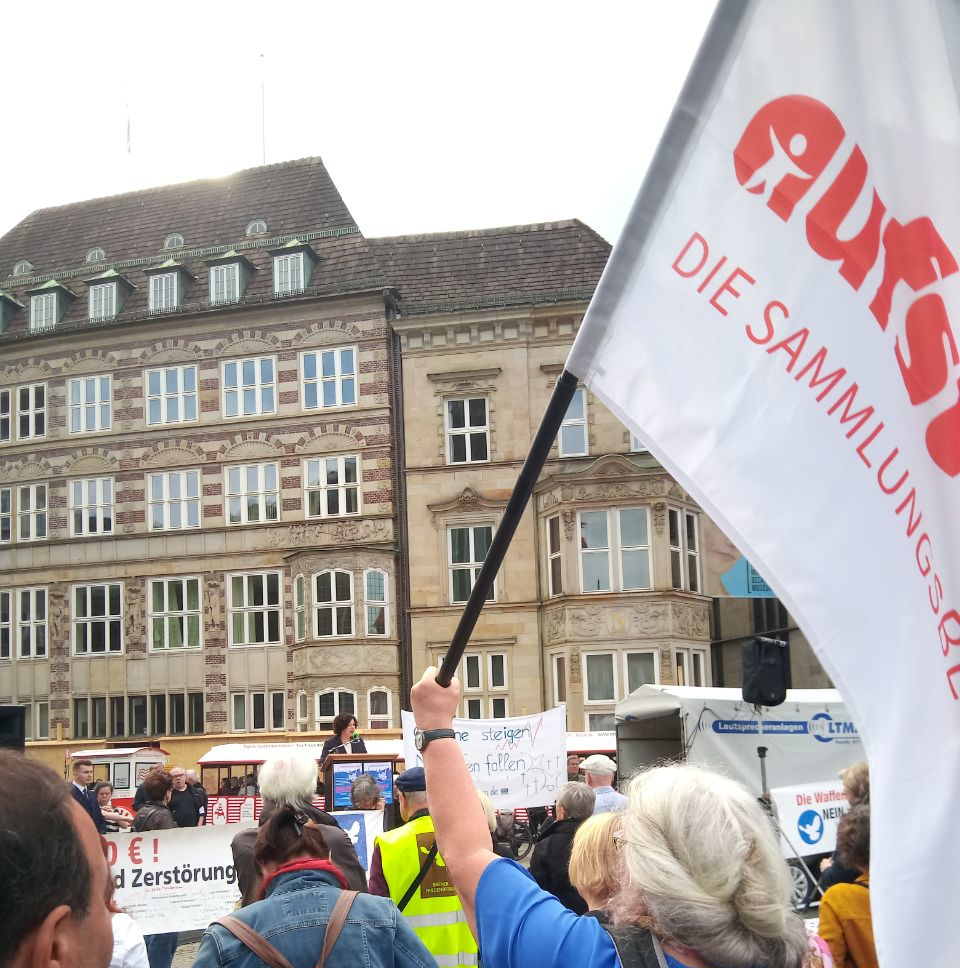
(423,736)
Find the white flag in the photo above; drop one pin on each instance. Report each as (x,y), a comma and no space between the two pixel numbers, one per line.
(780,322)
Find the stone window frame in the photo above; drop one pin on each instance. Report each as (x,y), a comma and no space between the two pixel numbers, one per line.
(31,411)
(101,511)
(388,716)
(259,387)
(464,384)
(163,396)
(320,721)
(166,614)
(569,422)
(689,654)
(300,609)
(35,628)
(110,617)
(615,549)
(589,653)
(334,605)
(237,493)
(233,611)
(468,431)
(339,380)
(6,515)
(554,555)
(680,552)
(484,697)
(473,565)
(342,487)
(32,512)
(102,404)
(166,501)
(382,604)
(653,651)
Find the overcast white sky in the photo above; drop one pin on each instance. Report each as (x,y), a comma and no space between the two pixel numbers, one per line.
(430,116)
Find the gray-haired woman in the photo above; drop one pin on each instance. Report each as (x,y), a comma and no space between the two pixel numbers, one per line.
(704,884)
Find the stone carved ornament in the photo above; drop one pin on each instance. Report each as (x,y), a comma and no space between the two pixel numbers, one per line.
(691,621)
(575,675)
(554,624)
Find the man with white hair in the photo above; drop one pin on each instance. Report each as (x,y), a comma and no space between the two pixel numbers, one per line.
(599,771)
(288,778)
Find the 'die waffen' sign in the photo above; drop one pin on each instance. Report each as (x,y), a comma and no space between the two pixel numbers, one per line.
(517,762)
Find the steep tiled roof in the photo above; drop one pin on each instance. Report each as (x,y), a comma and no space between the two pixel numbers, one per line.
(521,264)
(295,199)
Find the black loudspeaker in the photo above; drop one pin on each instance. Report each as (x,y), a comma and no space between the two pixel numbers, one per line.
(765,672)
(13,727)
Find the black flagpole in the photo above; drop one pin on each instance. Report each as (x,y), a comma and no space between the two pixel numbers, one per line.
(527,479)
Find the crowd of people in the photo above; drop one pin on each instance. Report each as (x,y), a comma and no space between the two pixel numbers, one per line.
(679,869)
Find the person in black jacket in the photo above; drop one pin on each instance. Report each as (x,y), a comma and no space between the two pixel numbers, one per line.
(80,788)
(551,856)
(345,738)
(290,779)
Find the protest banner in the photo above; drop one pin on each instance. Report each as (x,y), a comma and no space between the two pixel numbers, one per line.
(174,880)
(517,762)
(363,827)
(808,815)
(780,322)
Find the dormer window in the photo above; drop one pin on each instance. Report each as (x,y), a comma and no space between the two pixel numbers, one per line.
(229,275)
(292,267)
(96,255)
(43,312)
(173,241)
(22,268)
(163,292)
(103,300)
(168,282)
(48,303)
(257,227)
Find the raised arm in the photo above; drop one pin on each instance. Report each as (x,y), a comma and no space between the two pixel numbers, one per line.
(462,833)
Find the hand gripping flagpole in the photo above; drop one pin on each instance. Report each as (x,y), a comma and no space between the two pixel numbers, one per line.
(527,479)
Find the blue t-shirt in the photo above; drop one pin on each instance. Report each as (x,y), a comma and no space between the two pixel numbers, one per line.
(519,925)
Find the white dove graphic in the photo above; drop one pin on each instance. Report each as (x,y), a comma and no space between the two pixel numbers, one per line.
(812,830)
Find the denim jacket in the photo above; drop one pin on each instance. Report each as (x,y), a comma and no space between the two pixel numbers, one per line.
(293,918)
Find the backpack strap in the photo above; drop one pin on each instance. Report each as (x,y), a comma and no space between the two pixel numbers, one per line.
(340,911)
(636,947)
(254,941)
(146,816)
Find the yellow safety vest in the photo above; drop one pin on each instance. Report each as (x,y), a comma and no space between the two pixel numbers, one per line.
(434,912)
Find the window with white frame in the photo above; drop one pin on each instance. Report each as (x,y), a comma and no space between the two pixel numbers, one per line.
(637,446)
(91,506)
(288,273)
(303,708)
(691,667)
(484,673)
(572,438)
(257,227)
(6,623)
(22,268)
(31,512)
(467,430)
(332,486)
(96,254)
(640,669)
(43,311)
(255,607)
(97,619)
(379,708)
(252,493)
(175,613)
(32,622)
(41,720)
(554,557)
(174,500)
(333,604)
(258,710)
(600,687)
(559,665)
(615,550)
(171,394)
(90,404)
(330,703)
(6,514)
(329,378)
(684,550)
(225,283)
(103,301)
(468,546)
(31,411)
(300,608)
(6,416)
(249,387)
(375,594)
(163,292)
(173,241)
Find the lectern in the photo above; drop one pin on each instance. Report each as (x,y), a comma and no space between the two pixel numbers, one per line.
(341,769)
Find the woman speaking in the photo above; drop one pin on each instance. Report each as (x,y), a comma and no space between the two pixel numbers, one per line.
(344,739)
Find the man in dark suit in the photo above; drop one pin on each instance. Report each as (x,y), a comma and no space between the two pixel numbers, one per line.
(82,777)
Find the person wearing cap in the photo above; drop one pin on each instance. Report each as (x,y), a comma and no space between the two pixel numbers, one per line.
(407,868)
(599,771)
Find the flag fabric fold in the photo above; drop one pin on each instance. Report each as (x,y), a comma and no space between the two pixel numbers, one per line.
(780,323)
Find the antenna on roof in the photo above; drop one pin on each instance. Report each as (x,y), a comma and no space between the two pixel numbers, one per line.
(263,111)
